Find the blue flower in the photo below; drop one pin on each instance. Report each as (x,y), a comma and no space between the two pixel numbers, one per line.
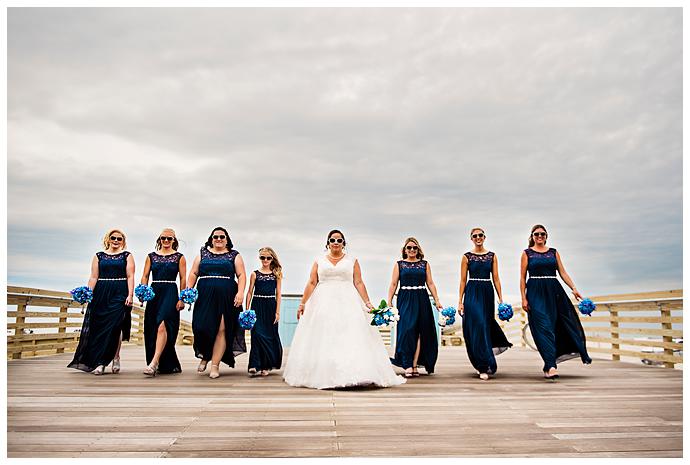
(189,295)
(586,306)
(82,294)
(505,311)
(144,293)
(247,319)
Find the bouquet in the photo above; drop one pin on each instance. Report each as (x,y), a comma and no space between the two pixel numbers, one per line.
(447,316)
(82,295)
(247,319)
(144,293)
(505,311)
(586,306)
(384,315)
(189,296)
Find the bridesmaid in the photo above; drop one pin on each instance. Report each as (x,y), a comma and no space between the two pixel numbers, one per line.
(416,343)
(217,334)
(553,320)
(162,315)
(263,297)
(108,316)
(483,336)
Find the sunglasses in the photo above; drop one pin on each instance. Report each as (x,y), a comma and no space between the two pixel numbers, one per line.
(539,234)
(333,240)
(166,238)
(116,239)
(218,237)
(262,258)
(412,247)
(475,236)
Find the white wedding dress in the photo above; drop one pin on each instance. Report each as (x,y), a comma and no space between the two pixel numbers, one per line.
(334,344)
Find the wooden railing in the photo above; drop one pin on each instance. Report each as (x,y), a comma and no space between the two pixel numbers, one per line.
(54,329)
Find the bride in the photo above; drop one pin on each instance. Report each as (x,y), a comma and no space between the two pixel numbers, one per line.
(334,344)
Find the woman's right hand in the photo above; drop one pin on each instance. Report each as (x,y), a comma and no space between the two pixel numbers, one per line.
(461,309)
(525,304)
(300,311)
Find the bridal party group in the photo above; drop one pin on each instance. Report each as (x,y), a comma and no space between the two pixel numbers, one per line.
(334,344)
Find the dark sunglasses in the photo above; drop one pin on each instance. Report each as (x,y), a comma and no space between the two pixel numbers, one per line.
(412,247)
(166,238)
(262,258)
(539,234)
(474,236)
(116,239)
(333,240)
(218,237)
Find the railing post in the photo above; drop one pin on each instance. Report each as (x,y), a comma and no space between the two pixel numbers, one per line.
(667,325)
(19,328)
(62,329)
(613,319)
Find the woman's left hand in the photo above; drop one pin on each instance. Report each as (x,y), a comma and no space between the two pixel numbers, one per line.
(369,306)
(238,300)
(179,306)
(128,301)
(577,294)
(439,305)
(277,318)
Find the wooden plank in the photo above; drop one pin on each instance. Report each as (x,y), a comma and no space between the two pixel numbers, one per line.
(633,342)
(631,353)
(644,331)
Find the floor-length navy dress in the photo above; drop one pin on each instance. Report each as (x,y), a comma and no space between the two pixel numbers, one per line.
(266,351)
(553,320)
(483,336)
(163,308)
(416,319)
(106,316)
(217,289)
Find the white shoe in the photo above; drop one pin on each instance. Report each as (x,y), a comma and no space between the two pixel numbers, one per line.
(99,370)
(116,365)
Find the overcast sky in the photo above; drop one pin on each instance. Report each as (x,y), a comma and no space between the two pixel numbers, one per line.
(281,124)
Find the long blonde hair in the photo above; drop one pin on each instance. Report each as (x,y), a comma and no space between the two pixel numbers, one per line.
(420,252)
(106,239)
(275,265)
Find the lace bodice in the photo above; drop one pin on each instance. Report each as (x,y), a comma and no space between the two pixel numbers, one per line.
(412,273)
(343,271)
(265,284)
(480,266)
(541,263)
(221,264)
(165,267)
(112,266)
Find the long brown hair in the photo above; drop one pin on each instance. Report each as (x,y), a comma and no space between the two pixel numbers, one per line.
(534,228)
(420,252)
(275,266)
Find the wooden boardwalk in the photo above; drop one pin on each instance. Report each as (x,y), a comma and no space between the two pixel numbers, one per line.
(607,409)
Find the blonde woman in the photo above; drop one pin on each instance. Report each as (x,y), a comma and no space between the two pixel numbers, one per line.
(108,316)
(263,297)
(162,316)
(416,343)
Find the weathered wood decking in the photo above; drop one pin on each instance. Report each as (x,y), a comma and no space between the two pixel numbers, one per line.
(608,409)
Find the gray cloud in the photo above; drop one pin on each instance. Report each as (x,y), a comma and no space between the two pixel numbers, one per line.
(283,123)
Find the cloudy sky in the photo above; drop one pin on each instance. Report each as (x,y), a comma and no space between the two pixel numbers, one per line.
(281,124)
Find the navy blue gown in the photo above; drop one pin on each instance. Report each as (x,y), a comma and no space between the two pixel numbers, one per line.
(266,351)
(553,320)
(162,308)
(416,319)
(483,336)
(106,316)
(217,289)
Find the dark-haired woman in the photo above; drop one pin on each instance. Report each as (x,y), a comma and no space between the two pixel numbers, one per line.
(108,316)
(416,342)
(553,320)
(218,336)
(483,336)
(334,344)
(162,314)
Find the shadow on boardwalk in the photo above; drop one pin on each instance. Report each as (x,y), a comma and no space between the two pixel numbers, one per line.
(607,409)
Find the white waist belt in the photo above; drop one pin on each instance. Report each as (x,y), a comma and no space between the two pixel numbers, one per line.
(112,279)
(265,296)
(479,279)
(542,277)
(220,277)
(412,287)
(162,281)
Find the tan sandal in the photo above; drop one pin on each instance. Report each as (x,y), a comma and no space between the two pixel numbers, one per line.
(214,373)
